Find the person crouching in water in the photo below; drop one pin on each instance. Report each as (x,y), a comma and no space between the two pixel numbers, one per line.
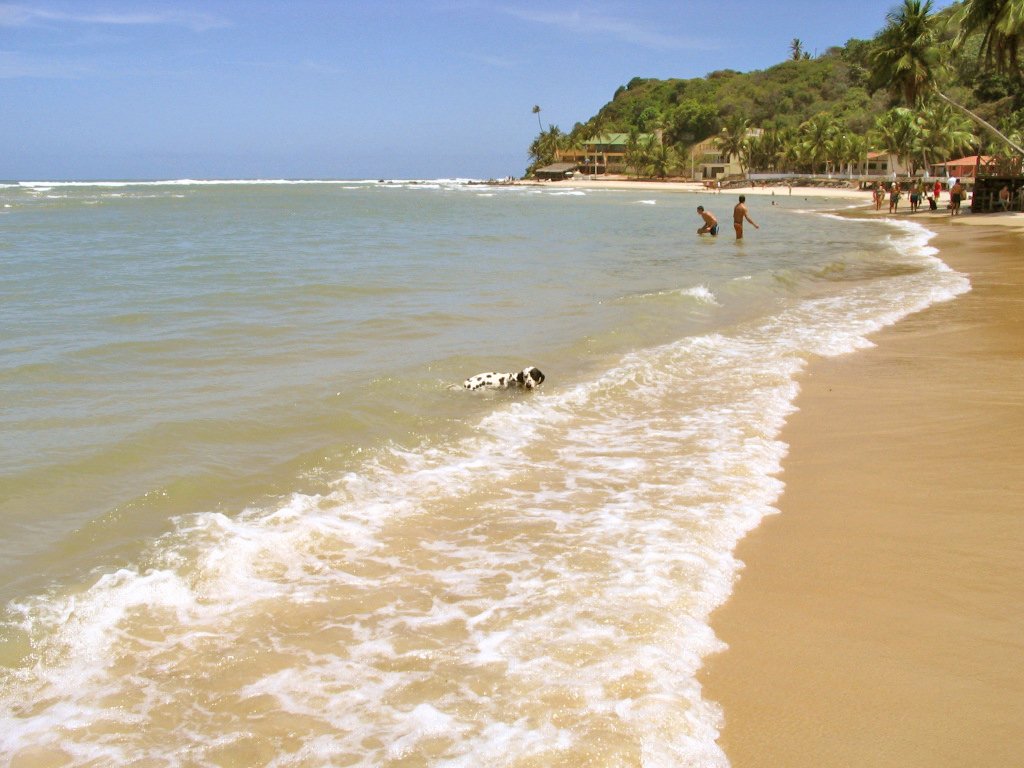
(710,222)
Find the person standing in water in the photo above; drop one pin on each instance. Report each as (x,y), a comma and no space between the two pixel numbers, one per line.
(739,213)
(710,222)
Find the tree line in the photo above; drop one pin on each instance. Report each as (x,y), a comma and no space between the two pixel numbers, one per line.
(927,87)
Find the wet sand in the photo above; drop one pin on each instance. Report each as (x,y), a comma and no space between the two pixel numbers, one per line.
(879,620)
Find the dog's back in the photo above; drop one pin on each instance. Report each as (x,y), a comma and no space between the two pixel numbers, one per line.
(528,378)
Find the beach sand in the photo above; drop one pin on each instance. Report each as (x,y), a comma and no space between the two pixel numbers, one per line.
(879,619)
(699,188)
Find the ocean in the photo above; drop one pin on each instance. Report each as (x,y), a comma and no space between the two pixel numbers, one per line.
(249,517)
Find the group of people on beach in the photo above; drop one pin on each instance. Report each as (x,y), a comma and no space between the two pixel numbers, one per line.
(739,214)
(919,192)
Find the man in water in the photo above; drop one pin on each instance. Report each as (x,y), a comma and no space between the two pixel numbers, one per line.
(739,213)
(710,222)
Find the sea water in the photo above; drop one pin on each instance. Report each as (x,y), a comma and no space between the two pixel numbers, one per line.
(249,517)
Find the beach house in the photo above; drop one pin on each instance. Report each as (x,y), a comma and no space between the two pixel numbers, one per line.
(604,154)
(709,162)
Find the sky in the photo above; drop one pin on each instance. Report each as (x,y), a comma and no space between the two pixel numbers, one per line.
(354,89)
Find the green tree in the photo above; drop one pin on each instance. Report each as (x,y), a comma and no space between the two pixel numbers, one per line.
(1001,23)
(896,133)
(691,120)
(796,49)
(536,111)
(814,137)
(661,158)
(732,141)
(597,126)
(856,153)
(837,148)
(544,149)
(907,58)
(636,156)
(942,132)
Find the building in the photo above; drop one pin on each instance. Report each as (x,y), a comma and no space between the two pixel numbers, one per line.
(964,167)
(707,161)
(884,164)
(605,153)
(555,171)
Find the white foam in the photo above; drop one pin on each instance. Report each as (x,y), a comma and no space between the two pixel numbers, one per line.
(701,293)
(347,183)
(571,549)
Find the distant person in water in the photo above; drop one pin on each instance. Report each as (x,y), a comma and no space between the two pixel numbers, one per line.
(710,222)
(739,213)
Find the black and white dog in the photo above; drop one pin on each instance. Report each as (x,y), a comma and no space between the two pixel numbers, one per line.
(528,378)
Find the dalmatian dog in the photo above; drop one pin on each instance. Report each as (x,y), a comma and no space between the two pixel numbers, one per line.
(528,378)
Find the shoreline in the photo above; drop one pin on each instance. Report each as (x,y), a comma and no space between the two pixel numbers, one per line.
(694,187)
(877,619)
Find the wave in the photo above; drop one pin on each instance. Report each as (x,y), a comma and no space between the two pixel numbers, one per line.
(534,585)
(240,182)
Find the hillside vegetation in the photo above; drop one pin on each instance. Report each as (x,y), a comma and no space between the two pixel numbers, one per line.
(858,91)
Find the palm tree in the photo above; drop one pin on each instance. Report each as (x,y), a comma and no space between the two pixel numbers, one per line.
(942,132)
(760,152)
(796,49)
(788,153)
(856,153)
(814,137)
(733,139)
(544,148)
(792,154)
(766,150)
(573,142)
(1002,24)
(837,148)
(896,133)
(551,142)
(536,111)
(661,158)
(598,124)
(635,152)
(908,58)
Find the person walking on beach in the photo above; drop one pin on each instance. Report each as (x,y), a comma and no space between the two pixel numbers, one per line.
(956,193)
(894,197)
(739,213)
(710,222)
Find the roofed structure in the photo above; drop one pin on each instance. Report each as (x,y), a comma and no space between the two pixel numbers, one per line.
(555,171)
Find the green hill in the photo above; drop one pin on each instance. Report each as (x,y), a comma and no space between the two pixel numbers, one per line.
(846,86)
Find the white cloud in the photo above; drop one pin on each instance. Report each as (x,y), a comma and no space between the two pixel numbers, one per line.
(14,64)
(592,22)
(497,62)
(12,15)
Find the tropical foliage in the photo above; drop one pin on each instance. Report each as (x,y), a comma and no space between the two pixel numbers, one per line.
(927,86)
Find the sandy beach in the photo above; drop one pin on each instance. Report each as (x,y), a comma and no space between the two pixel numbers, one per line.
(878,621)
(699,188)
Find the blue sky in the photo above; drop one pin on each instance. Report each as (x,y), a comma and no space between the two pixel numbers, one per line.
(354,88)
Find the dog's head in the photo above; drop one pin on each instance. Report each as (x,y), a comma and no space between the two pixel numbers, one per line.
(530,377)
